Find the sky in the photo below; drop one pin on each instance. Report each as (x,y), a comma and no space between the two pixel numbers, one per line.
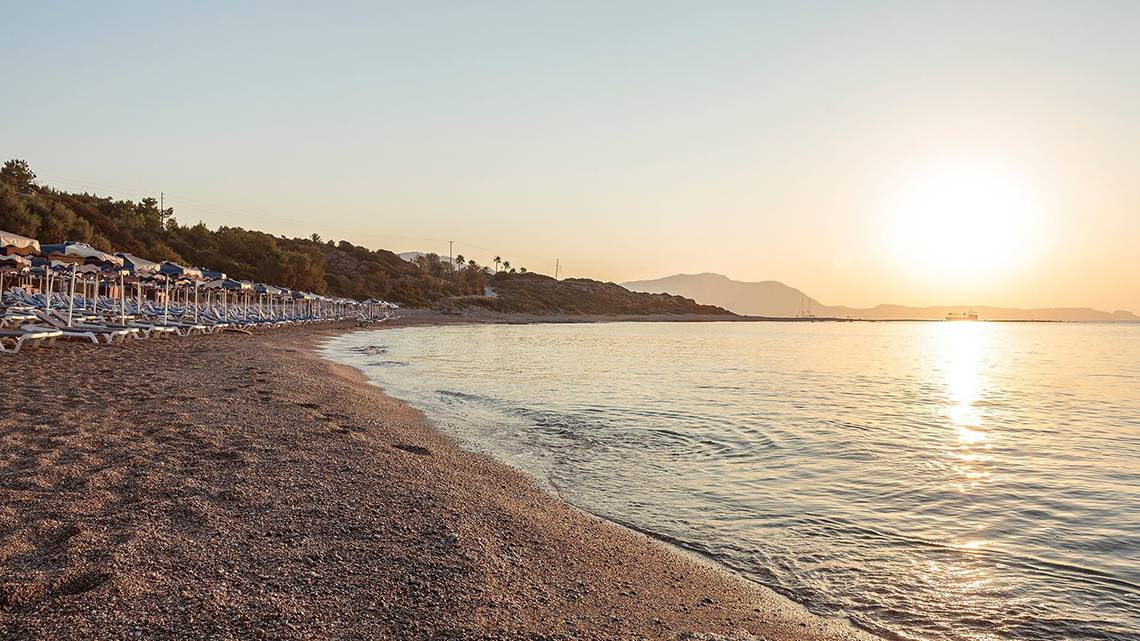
(865,152)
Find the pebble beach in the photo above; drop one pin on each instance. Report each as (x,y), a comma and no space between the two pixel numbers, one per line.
(240,487)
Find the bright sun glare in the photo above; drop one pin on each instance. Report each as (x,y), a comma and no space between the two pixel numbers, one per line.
(958,224)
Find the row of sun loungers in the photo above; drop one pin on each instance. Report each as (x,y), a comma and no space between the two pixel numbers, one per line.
(32,320)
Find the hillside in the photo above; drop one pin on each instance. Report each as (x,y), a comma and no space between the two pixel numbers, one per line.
(775,299)
(335,268)
(537,293)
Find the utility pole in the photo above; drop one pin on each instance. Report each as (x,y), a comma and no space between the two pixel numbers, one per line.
(555,269)
(450,260)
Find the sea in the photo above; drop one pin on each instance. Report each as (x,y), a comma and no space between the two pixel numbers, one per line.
(925,480)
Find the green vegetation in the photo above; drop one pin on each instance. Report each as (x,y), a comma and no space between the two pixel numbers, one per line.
(141,228)
(532,293)
(310,264)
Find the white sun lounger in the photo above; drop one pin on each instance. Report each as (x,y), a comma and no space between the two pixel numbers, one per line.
(12,341)
(93,333)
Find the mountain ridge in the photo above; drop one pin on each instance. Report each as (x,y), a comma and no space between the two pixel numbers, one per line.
(775,299)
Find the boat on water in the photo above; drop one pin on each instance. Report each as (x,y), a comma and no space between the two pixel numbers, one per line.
(962,316)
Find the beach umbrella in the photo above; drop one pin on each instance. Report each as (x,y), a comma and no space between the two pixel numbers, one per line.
(207,276)
(14,249)
(168,271)
(12,263)
(86,253)
(139,268)
(16,244)
(51,266)
(90,258)
(15,261)
(178,272)
(299,297)
(269,291)
(227,285)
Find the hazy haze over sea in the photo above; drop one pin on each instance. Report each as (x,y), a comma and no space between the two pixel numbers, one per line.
(929,480)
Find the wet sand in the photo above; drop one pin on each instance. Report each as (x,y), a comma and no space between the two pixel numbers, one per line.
(239,487)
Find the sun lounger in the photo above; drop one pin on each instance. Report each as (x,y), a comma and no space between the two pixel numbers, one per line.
(14,318)
(97,334)
(183,329)
(12,341)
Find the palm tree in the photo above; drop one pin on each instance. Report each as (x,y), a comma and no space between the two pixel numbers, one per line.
(507,265)
(498,259)
(459,261)
(473,265)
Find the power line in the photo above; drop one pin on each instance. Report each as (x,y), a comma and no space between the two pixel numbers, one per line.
(197,205)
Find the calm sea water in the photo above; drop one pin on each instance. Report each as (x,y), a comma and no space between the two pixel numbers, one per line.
(925,480)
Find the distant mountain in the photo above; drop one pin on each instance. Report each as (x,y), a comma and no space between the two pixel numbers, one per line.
(772,298)
(768,298)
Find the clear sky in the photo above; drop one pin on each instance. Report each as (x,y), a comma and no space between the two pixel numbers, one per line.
(866,152)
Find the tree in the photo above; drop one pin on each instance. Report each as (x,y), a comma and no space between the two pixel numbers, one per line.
(522,270)
(498,259)
(14,214)
(144,229)
(459,261)
(507,265)
(18,174)
(316,238)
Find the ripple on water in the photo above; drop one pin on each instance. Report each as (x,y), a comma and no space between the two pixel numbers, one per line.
(926,480)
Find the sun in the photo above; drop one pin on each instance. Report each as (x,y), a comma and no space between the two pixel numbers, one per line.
(963,223)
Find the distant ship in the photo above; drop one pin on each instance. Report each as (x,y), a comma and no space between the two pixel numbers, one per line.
(962,316)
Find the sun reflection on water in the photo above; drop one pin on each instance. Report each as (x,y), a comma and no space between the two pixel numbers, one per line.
(962,350)
(961,353)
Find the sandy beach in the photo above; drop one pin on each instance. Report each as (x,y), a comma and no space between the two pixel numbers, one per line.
(239,487)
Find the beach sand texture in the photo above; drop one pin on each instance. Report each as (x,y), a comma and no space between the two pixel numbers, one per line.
(239,487)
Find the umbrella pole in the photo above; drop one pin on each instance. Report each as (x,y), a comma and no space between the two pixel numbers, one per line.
(123,297)
(195,302)
(71,297)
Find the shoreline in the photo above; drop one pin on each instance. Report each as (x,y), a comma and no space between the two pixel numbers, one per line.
(245,487)
(423,316)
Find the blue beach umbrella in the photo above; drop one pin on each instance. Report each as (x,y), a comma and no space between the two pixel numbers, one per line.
(93,261)
(228,285)
(174,271)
